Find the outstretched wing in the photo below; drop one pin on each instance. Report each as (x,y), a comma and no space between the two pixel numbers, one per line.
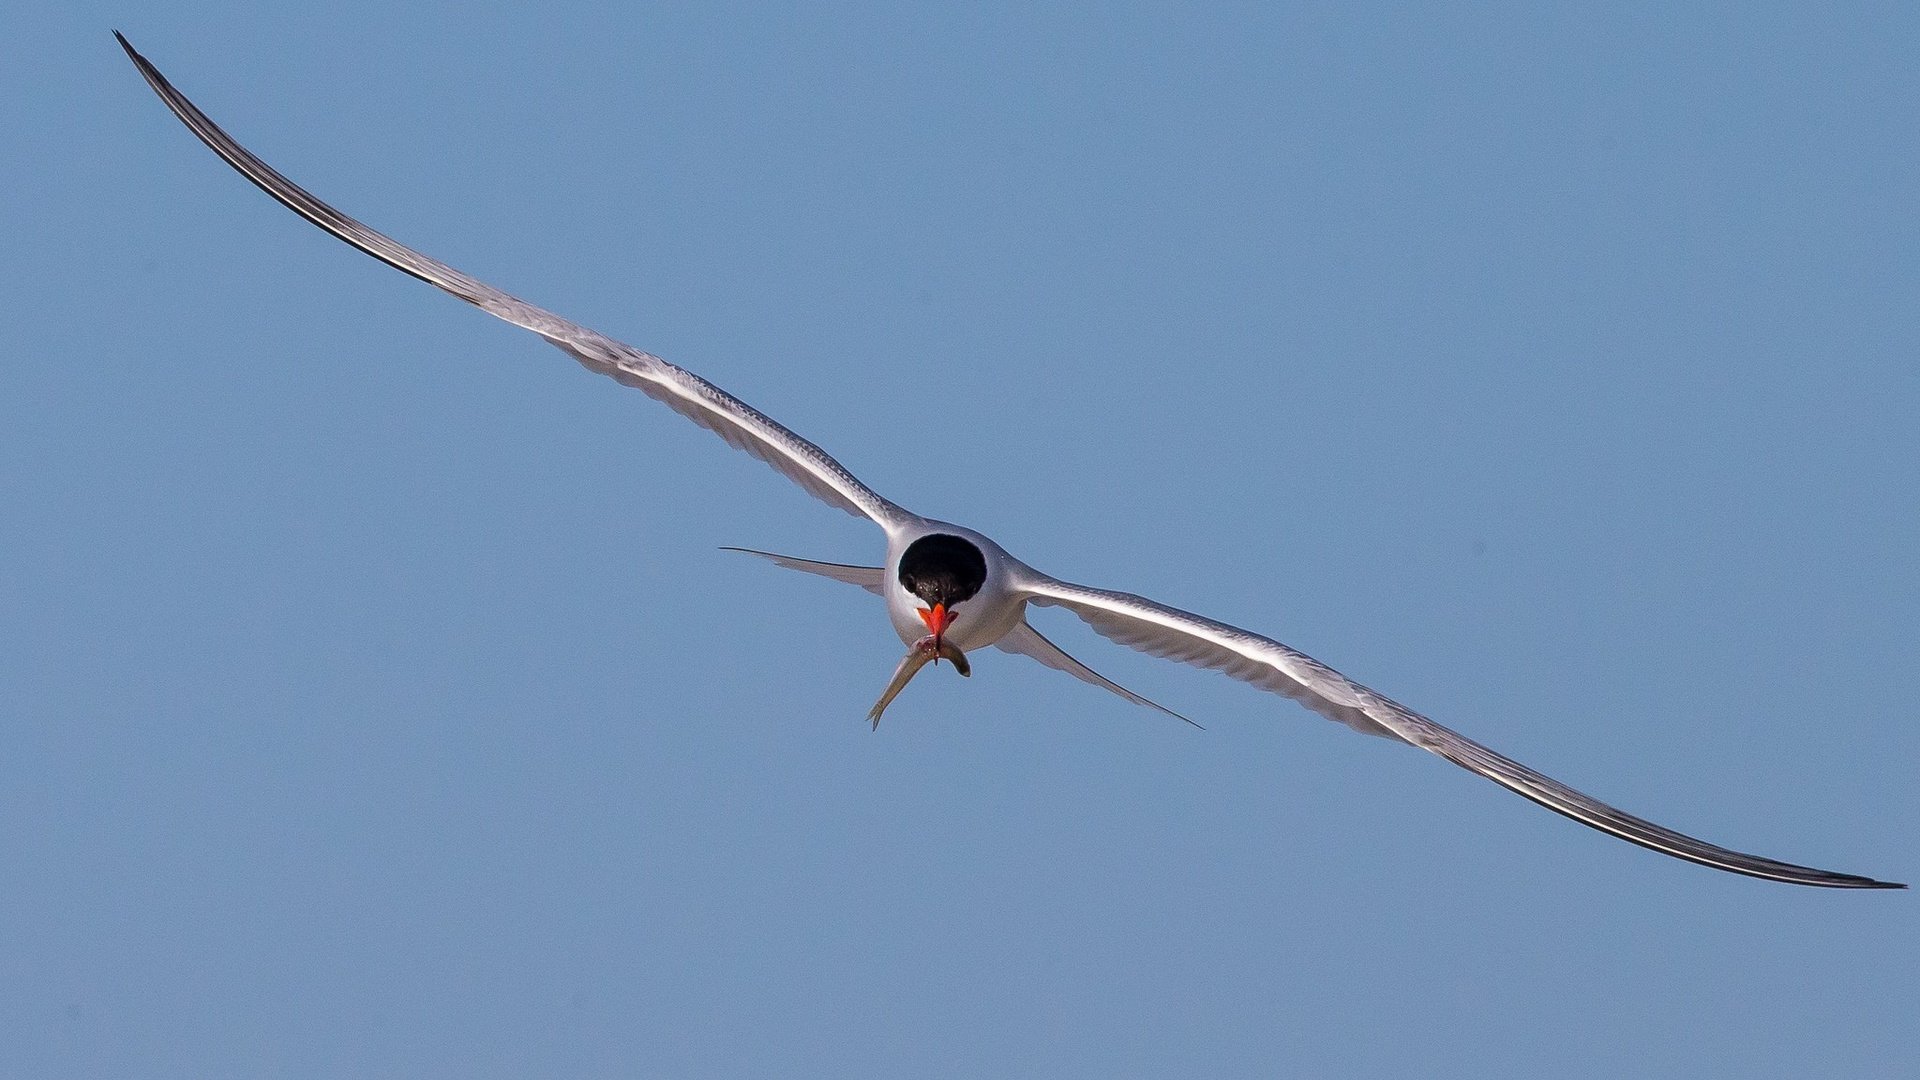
(688,394)
(1178,635)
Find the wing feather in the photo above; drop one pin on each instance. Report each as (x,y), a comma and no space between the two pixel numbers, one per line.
(741,425)
(1168,632)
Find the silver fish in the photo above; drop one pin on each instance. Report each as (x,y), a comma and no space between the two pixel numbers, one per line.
(923,651)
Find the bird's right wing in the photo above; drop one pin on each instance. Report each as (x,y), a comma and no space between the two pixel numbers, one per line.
(693,397)
(1173,634)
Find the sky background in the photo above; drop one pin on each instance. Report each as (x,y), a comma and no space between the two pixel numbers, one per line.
(376,700)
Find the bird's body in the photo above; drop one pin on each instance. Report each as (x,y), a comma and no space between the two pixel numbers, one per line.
(950,590)
(973,576)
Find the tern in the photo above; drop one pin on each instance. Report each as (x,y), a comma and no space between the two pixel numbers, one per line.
(950,590)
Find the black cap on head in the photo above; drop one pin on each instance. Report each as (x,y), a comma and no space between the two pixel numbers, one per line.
(942,569)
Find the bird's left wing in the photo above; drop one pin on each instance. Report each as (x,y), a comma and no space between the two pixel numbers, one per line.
(1167,632)
(693,397)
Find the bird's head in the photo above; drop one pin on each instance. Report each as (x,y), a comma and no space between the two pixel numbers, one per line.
(942,572)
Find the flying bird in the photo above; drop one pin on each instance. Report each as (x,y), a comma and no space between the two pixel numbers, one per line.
(950,590)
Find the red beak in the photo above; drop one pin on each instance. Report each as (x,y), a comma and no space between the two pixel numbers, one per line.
(937,618)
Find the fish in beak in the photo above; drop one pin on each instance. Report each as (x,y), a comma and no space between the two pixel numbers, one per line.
(931,647)
(938,618)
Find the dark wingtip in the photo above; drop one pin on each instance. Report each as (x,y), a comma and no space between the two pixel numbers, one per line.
(146,67)
(1857,881)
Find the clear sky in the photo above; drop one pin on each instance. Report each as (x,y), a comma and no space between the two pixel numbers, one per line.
(376,700)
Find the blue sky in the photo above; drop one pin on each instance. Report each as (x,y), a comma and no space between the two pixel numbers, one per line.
(378,703)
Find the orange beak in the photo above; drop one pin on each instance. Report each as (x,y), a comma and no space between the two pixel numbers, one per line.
(937,618)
